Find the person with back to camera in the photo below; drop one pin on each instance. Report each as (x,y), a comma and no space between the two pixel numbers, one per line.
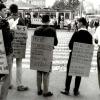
(46,31)
(15,20)
(81,36)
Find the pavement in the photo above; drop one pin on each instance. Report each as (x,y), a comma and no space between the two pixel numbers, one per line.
(89,89)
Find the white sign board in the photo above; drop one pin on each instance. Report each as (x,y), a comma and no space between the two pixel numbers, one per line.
(19,42)
(81,59)
(3,59)
(41,53)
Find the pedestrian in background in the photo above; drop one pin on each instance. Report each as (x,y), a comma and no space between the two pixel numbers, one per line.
(62,22)
(81,36)
(15,20)
(55,22)
(7,38)
(46,31)
(96,23)
(76,27)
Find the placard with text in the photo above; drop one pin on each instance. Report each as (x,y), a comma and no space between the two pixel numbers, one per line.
(3,59)
(81,59)
(19,42)
(41,53)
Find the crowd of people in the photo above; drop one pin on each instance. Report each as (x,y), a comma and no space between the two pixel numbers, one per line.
(9,24)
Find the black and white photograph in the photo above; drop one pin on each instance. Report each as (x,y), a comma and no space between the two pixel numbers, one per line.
(49,50)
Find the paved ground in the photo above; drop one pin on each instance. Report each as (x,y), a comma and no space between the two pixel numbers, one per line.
(89,86)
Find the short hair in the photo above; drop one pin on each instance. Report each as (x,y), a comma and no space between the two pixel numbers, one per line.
(45,18)
(83,21)
(2,6)
(13,8)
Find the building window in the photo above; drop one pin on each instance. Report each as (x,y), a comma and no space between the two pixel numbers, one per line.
(66,15)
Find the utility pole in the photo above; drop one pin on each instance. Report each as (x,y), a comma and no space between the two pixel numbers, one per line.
(81,7)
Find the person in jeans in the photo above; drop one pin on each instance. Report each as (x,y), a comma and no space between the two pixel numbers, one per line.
(46,31)
(15,20)
(81,36)
(7,38)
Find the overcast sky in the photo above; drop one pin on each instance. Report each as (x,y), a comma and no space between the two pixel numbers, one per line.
(49,2)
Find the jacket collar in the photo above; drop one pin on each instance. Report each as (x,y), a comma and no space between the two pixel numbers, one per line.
(82,29)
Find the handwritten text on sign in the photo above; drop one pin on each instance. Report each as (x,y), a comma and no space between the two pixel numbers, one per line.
(19,42)
(41,53)
(81,59)
(3,59)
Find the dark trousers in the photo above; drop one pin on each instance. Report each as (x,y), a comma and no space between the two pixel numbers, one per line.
(69,78)
(98,66)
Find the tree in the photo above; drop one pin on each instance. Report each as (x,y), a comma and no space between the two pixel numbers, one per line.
(63,4)
(60,4)
(73,4)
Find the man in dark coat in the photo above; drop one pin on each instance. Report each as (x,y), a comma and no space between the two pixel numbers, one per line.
(46,31)
(81,36)
(7,38)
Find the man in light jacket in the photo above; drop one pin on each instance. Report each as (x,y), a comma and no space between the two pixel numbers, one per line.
(96,40)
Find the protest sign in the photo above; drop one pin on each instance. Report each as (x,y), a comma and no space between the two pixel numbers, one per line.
(41,53)
(19,42)
(3,59)
(81,59)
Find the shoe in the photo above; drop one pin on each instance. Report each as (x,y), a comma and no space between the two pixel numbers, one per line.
(22,88)
(11,86)
(77,93)
(65,92)
(40,92)
(48,94)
